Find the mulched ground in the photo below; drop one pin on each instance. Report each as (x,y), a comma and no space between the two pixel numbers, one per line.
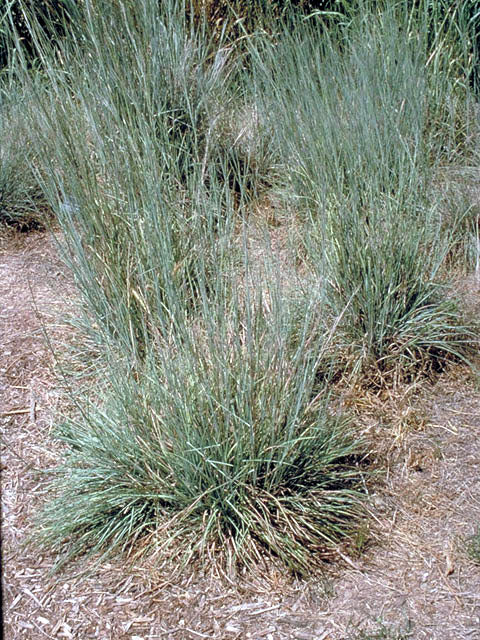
(413,578)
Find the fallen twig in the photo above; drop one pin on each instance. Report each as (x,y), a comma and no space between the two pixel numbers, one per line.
(14,412)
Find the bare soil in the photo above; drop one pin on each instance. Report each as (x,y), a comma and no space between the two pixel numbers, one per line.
(412,578)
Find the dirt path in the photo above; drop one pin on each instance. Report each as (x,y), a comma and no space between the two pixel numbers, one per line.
(417,577)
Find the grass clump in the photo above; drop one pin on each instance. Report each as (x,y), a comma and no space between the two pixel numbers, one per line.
(133,177)
(22,201)
(461,219)
(223,451)
(145,151)
(400,320)
(354,109)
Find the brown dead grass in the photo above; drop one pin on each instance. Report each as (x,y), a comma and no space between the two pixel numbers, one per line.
(412,570)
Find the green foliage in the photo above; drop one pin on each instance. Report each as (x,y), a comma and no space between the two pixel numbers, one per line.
(213,432)
(460,219)
(473,547)
(353,111)
(22,202)
(383,632)
(53,17)
(398,320)
(221,453)
(212,435)
(148,164)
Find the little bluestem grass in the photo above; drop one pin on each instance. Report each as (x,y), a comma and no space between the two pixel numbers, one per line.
(213,435)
